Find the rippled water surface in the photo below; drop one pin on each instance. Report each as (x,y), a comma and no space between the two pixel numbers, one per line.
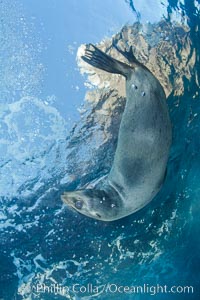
(58,131)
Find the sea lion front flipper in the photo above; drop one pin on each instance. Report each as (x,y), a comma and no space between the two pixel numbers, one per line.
(101,60)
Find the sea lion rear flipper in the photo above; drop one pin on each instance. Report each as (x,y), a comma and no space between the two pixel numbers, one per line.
(101,60)
(127,54)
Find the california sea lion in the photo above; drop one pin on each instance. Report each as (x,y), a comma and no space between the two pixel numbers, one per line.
(144,140)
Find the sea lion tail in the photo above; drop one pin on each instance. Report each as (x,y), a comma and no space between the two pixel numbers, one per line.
(101,60)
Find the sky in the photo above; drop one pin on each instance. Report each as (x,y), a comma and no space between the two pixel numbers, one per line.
(62,26)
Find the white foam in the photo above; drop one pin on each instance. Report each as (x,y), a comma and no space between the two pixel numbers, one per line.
(31,128)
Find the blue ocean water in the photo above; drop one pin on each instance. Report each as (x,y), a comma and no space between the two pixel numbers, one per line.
(48,144)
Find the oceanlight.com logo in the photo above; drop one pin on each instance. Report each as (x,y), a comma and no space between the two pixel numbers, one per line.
(111,288)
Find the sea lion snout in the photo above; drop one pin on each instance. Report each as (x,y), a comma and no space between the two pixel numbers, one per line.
(68,198)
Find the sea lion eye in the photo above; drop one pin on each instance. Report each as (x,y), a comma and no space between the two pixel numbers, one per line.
(98,215)
(79,204)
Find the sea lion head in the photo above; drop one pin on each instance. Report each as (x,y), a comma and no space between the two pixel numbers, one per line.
(92,203)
